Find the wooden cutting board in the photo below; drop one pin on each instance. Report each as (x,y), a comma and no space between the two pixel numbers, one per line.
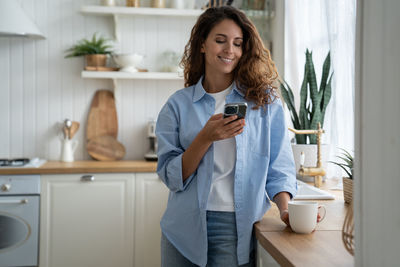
(105,148)
(102,119)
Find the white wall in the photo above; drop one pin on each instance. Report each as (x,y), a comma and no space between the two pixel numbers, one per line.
(39,88)
(377,178)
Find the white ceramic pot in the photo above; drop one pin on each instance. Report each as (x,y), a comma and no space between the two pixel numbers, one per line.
(310,152)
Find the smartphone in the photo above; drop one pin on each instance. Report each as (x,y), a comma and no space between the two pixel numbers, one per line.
(238,109)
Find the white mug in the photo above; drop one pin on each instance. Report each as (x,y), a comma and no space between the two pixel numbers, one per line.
(303,216)
(67,150)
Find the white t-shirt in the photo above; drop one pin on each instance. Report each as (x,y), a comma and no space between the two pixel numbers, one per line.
(221,192)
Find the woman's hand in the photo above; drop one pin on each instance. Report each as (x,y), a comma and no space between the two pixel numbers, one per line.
(284,214)
(285,217)
(219,128)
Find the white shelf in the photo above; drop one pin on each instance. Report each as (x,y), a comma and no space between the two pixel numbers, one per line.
(137,75)
(118,11)
(143,11)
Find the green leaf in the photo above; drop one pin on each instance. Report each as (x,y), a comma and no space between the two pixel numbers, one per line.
(96,45)
(287,95)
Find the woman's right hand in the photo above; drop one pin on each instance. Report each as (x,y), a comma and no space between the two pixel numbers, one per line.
(219,128)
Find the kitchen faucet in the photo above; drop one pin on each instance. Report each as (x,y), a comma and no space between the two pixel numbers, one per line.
(317,171)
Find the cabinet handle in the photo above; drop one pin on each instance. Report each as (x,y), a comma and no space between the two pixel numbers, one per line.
(87,178)
(16,201)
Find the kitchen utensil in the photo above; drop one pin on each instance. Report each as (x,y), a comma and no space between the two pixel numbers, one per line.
(102,119)
(67,150)
(68,124)
(65,132)
(105,148)
(74,129)
(128,62)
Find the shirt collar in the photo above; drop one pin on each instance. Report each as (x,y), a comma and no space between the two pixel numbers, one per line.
(199,90)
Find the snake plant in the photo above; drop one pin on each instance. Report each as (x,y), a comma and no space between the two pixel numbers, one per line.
(313,101)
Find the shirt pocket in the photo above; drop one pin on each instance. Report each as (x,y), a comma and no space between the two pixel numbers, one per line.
(258,137)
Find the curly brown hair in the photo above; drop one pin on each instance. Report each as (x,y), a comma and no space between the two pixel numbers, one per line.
(255,73)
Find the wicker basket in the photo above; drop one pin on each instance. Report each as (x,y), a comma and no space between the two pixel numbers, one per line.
(347,189)
(348,230)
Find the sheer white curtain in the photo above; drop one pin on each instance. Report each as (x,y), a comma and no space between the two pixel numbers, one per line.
(322,26)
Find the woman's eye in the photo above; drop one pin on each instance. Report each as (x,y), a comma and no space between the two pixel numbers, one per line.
(238,44)
(219,41)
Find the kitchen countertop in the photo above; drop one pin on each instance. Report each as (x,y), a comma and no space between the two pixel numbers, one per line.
(323,247)
(89,166)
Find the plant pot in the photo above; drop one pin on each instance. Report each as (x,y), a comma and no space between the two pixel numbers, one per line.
(310,152)
(96,60)
(347,189)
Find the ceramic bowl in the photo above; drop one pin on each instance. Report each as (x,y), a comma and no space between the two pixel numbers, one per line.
(128,62)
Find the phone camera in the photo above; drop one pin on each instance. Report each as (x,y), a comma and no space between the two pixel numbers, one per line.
(231,110)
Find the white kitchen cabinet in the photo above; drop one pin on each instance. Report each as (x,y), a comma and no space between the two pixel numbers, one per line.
(151,198)
(87,223)
(264,259)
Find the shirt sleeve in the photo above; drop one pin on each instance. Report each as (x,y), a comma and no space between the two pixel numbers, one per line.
(281,171)
(169,167)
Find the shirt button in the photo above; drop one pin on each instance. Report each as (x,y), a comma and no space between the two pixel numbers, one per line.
(237,206)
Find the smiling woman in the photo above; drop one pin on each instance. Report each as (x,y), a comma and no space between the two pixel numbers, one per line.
(217,183)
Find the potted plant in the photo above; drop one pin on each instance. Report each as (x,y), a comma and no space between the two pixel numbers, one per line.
(347,165)
(95,51)
(313,104)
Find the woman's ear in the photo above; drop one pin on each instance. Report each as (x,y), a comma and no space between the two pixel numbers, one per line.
(202,48)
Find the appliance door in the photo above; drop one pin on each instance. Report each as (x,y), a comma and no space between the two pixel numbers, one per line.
(19,229)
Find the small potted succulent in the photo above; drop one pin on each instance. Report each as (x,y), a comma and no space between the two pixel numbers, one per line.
(95,50)
(347,165)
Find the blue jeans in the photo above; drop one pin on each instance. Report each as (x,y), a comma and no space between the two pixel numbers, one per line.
(222,244)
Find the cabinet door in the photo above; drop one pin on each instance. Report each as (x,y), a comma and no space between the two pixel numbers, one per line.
(264,259)
(151,197)
(86,223)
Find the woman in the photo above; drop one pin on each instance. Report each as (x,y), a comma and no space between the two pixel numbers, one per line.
(220,170)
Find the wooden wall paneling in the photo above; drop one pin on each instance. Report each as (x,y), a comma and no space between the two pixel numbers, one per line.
(16,93)
(54,76)
(77,84)
(41,72)
(28,100)
(151,40)
(5,97)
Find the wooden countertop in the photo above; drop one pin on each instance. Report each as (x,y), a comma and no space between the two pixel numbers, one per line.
(90,166)
(323,247)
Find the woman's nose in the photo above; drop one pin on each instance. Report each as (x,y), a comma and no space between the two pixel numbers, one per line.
(228,48)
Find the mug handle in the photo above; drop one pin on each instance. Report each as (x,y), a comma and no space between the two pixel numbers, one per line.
(322,206)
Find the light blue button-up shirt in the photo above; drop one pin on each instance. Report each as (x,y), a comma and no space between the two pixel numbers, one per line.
(264,167)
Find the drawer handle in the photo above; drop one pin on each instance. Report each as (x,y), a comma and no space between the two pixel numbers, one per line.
(16,201)
(87,178)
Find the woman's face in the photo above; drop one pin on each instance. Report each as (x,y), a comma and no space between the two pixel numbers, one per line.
(223,47)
